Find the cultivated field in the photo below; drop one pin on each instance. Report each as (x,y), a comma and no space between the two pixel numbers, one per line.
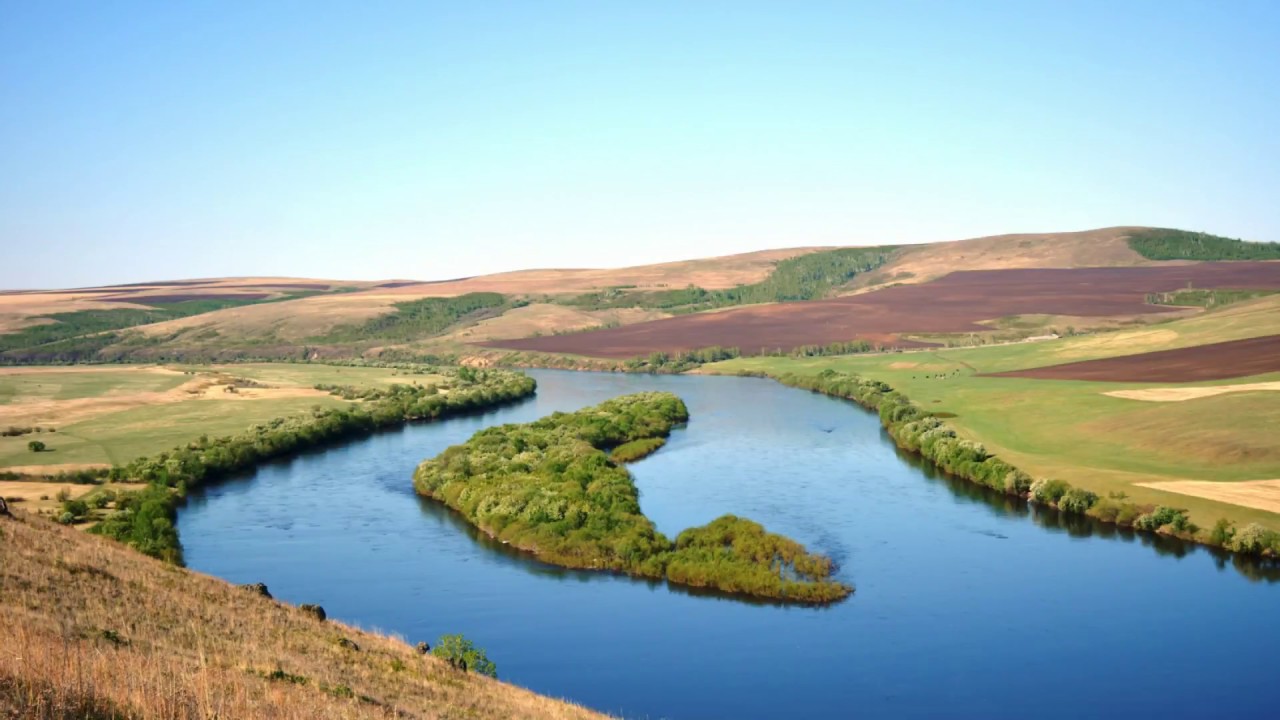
(95,629)
(957,303)
(1216,361)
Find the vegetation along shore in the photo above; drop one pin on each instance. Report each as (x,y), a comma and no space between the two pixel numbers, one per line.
(551,488)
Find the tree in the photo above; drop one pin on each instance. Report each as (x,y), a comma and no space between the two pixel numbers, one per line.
(36,446)
(462,654)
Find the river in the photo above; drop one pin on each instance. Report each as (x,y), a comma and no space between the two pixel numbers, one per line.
(967,603)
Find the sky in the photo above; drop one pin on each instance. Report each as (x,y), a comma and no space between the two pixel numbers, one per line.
(373,140)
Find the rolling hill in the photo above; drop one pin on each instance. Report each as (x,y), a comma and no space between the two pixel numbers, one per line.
(776,299)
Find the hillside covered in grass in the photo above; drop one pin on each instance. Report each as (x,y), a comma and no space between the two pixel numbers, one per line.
(92,629)
(550,487)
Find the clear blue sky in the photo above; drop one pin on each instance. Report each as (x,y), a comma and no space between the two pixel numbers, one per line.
(377,139)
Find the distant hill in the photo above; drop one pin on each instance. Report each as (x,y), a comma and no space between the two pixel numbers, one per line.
(283,318)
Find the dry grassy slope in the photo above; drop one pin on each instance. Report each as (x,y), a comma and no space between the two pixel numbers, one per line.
(190,646)
(1105,247)
(298,319)
(21,308)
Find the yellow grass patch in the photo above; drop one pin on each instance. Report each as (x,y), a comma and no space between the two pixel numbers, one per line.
(1258,494)
(716,273)
(1093,248)
(547,319)
(1180,394)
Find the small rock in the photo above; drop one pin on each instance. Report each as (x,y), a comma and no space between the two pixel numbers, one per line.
(314,610)
(257,589)
(348,644)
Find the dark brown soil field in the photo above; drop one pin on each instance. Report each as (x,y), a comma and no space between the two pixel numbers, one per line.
(952,304)
(1217,361)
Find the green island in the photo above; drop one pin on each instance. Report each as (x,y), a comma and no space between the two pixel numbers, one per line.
(551,488)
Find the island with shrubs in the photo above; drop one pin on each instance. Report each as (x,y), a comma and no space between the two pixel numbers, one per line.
(557,488)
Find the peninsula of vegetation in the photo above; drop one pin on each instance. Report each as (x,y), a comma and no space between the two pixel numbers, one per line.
(551,488)
(145,519)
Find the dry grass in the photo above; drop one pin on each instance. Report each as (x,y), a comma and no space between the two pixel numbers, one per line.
(92,629)
(710,273)
(1260,494)
(1091,248)
(546,319)
(1181,394)
(19,309)
(58,412)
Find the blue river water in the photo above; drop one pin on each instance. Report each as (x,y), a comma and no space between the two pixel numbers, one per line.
(967,604)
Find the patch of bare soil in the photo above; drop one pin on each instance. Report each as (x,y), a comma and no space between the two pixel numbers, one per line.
(1258,494)
(1215,361)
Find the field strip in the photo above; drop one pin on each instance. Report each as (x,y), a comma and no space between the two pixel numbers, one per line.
(1258,494)
(64,412)
(1179,394)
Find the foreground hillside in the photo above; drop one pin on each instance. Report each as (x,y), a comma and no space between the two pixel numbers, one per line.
(92,629)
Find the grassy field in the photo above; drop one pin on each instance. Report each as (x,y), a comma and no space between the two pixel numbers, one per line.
(1075,431)
(106,415)
(93,629)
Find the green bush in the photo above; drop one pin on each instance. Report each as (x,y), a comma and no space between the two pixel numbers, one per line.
(36,446)
(462,654)
(1077,500)
(1048,491)
(1162,517)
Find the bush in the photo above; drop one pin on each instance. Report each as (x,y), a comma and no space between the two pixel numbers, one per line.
(1076,500)
(1255,539)
(1168,518)
(1048,491)
(36,446)
(463,655)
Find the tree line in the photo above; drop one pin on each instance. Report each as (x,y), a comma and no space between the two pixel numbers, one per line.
(1170,244)
(145,518)
(551,488)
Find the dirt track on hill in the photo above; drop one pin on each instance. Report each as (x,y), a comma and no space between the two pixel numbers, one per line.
(1217,361)
(952,304)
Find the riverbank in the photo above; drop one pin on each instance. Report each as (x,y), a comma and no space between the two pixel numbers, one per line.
(146,519)
(926,434)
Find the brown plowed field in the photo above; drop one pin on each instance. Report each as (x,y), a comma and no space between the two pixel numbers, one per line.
(1217,361)
(952,304)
